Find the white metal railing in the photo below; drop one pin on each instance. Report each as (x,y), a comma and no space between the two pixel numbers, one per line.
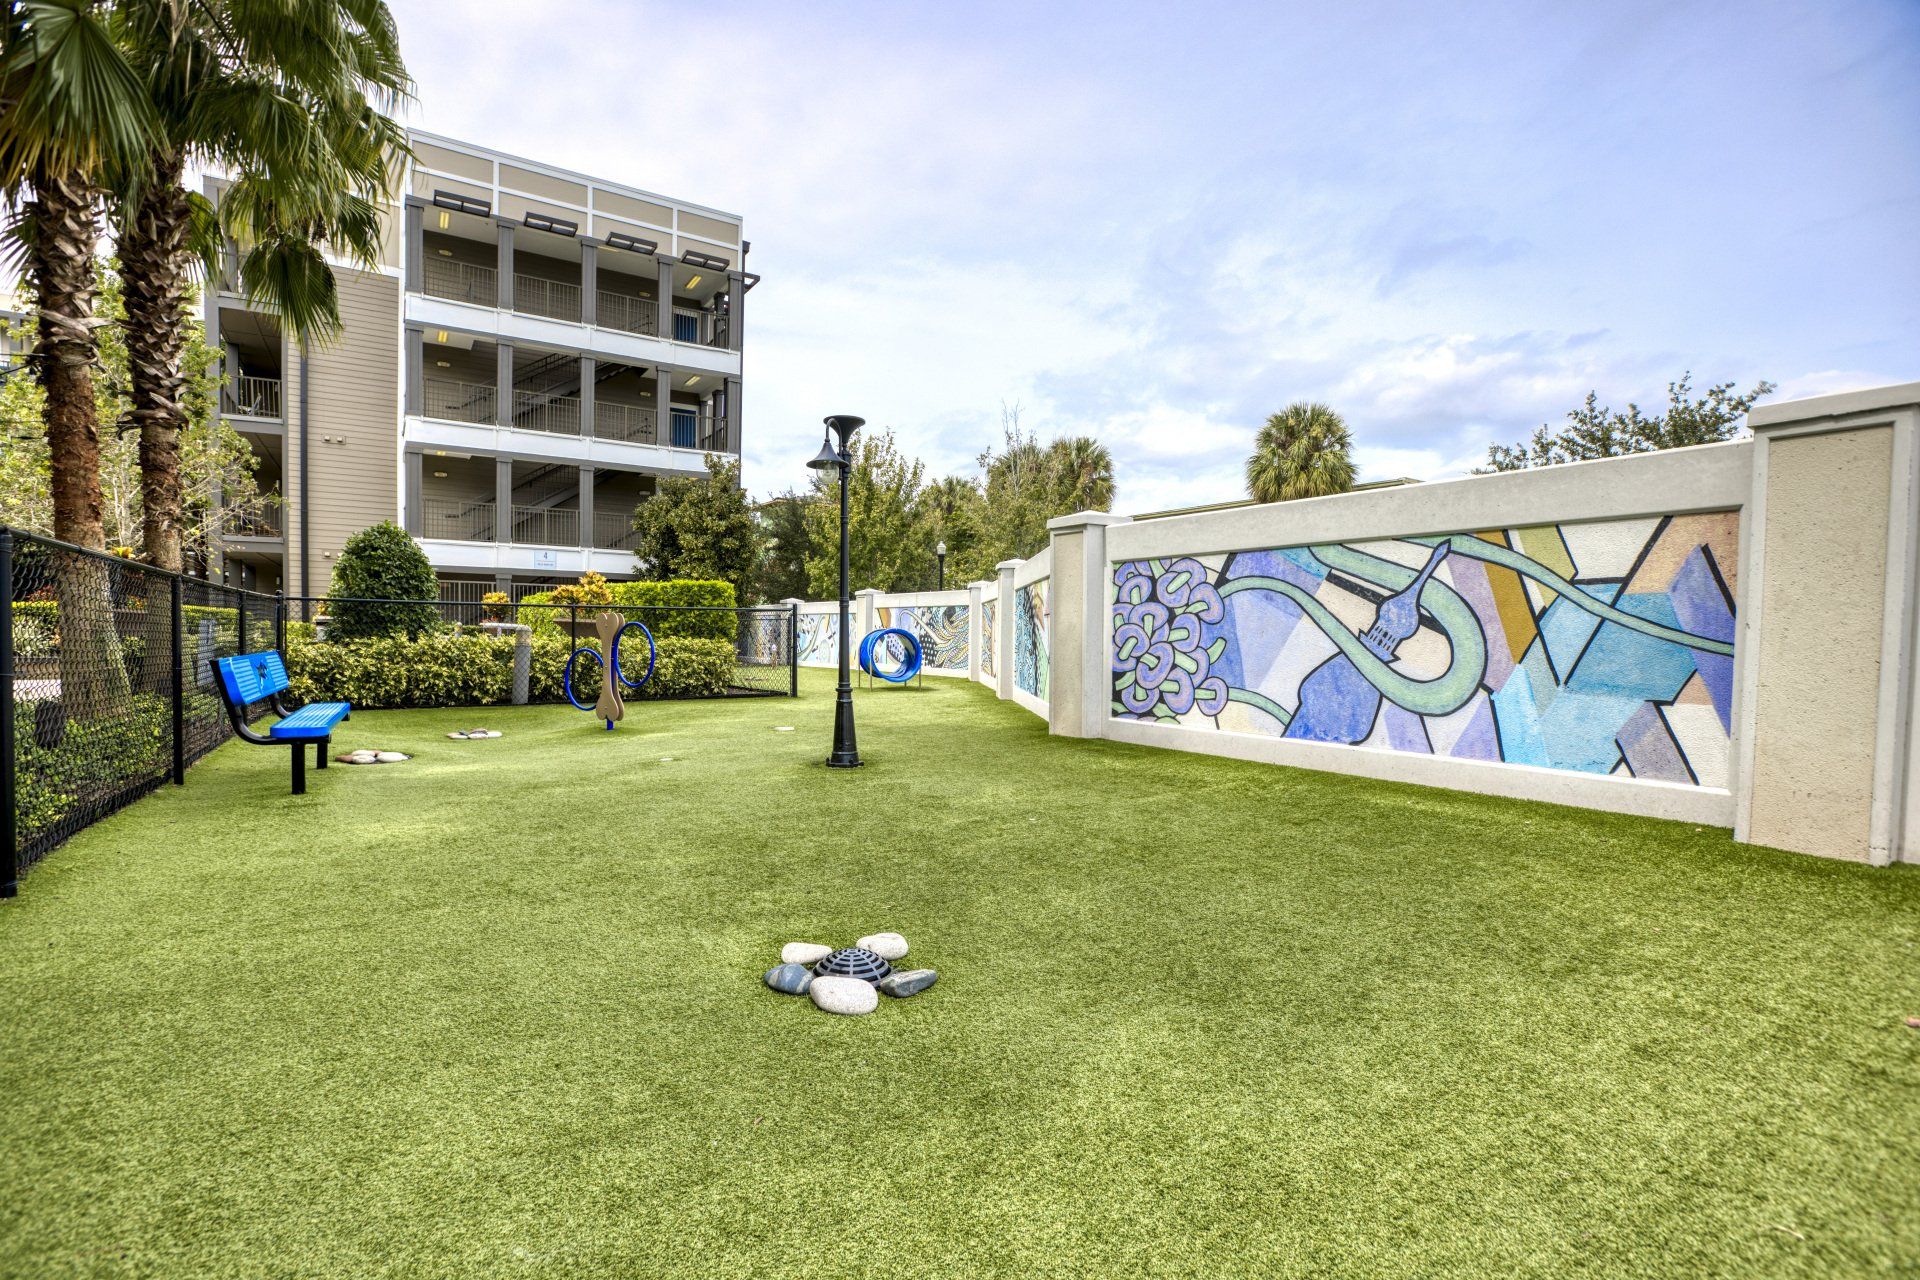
(257,524)
(456,401)
(252,397)
(702,328)
(546,526)
(554,299)
(460,281)
(613,530)
(457,519)
(539,411)
(632,423)
(626,312)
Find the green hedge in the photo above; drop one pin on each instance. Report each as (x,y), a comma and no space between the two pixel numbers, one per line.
(473,670)
(654,603)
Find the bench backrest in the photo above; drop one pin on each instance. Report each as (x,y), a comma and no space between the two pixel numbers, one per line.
(251,677)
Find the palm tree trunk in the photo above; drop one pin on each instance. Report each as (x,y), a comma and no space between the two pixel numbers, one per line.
(153,272)
(61,233)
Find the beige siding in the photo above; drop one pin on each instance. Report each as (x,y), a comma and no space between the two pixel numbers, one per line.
(353,424)
(712,228)
(544,185)
(627,207)
(479,168)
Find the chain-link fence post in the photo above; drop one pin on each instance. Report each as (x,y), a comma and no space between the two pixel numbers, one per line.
(179,686)
(9,835)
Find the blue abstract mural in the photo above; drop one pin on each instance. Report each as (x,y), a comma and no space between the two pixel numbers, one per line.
(989,622)
(941,630)
(1603,647)
(1032,667)
(820,639)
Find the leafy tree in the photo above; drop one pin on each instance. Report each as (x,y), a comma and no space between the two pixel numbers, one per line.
(952,511)
(1304,451)
(75,116)
(378,565)
(699,527)
(884,525)
(290,99)
(781,572)
(1081,474)
(1028,483)
(216,462)
(1594,431)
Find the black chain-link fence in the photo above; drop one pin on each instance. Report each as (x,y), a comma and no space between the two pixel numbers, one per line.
(108,675)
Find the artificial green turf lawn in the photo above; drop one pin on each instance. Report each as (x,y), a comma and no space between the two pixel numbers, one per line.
(498,1012)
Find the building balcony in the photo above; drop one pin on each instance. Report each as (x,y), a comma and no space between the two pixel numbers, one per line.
(263,524)
(613,531)
(626,313)
(460,282)
(688,427)
(545,526)
(251,397)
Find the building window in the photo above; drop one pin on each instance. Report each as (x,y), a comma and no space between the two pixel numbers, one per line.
(685,428)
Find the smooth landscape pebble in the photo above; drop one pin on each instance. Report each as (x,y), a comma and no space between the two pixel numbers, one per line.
(844,995)
(807,953)
(888,946)
(789,979)
(388,757)
(907,982)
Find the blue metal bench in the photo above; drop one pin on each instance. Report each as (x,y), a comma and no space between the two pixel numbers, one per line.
(262,677)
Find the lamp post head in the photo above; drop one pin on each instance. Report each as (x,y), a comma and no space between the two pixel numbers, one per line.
(940,548)
(828,459)
(844,425)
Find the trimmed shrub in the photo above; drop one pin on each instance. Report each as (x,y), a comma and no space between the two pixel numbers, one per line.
(382,564)
(658,604)
(471,670)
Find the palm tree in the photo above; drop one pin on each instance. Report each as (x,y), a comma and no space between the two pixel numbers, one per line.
(292,99)
(1083,474)
(72,115)
(1304,451)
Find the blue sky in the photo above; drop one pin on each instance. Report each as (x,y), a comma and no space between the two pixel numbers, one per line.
(1155,224)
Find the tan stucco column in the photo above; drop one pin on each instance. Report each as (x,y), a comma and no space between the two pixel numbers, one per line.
(1827,688)
(1003,628)
(1078,691)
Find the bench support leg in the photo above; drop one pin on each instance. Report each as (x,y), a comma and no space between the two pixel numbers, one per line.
(320,753)
(299,769)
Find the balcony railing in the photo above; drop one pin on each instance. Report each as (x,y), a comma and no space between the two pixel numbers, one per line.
(540,411)
(625,312)
(613,530)
(456,401)
(701,328)
(458,519)
(630,423)
(259,524)
(546,526)
(252,397)
(460,281)
(554,299)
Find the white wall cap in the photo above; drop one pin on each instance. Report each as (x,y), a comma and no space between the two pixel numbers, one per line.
(1008,566)
(1081,519)
(1841,404)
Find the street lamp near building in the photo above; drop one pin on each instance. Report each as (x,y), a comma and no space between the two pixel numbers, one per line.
(840,458)
(940,561)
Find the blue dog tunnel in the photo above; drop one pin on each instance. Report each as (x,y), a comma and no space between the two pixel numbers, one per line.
(870,652)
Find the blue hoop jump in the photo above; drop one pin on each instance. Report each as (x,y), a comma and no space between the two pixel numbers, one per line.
(566,675)
(909,666)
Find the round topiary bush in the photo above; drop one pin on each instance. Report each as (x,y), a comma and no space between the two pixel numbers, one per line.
(379,584)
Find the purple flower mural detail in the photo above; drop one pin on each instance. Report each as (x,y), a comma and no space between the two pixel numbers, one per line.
(1161,668)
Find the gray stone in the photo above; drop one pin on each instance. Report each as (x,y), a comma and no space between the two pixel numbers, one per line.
(888,946)
(907,982)
(388,757)
(789,979)
(844,995)
(807,953)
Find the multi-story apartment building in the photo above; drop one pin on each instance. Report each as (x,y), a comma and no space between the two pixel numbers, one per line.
(536,352)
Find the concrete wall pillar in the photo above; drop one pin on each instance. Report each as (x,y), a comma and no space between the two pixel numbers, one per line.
(1827,700)
(503,500)
(415,247)
(736,308)
(586,506)
(415,483)
(587,367)
(1077,687)
(416,371)
(665,290)
(731,399)
(866,616)
(504,270)
(1003,625)
(503,384)
(589,282)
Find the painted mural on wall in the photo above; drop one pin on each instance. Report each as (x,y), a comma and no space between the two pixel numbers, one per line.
(989,620)
(1031,667)
(941,630)
(1603,647)
(820,639)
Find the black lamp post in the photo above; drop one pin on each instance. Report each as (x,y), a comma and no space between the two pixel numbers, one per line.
(940,561)
(830,458)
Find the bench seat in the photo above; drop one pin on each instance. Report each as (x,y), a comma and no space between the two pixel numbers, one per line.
(315,720)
